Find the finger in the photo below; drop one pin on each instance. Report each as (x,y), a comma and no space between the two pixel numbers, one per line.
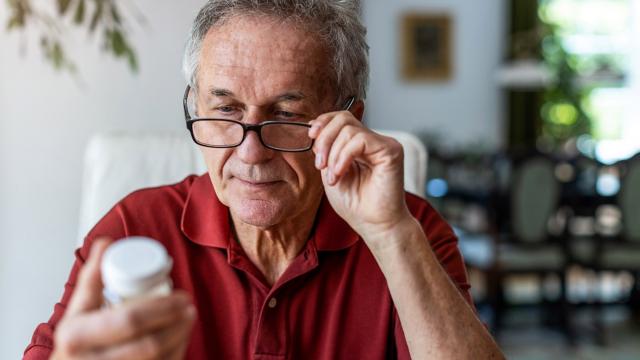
(346,134)
(317,126)
(324,136)
(320,122)
(327,136)
(125,322)
(352,150)
(369,148)
(88,290)
(179,353)
(156,345)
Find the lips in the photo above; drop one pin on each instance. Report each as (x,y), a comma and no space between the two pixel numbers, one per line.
(257,183)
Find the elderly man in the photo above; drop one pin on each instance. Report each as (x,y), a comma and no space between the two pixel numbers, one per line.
(300,241)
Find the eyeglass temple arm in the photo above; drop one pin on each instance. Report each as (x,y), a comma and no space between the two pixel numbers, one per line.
(349,103)
(185,106)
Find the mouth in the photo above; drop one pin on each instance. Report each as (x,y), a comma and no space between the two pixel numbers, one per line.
(257,184)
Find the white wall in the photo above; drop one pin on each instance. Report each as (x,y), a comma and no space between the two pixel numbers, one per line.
(46,119)
(463,111)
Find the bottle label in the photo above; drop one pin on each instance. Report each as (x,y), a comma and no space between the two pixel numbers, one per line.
(112,298)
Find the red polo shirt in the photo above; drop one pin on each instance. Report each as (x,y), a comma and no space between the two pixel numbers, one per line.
(331,303)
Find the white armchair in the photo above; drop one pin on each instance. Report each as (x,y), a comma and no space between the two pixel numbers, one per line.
(116,164)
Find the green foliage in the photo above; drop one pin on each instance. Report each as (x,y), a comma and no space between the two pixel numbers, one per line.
(117,43)
(19,11)
(97,15)
(63,5)
(78,18)
(55,54)
(567,110)
(563,109)
(88,14)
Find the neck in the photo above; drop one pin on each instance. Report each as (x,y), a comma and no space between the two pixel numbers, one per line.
(273,249)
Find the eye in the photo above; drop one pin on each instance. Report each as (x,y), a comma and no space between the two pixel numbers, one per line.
(286,114)
(226,109)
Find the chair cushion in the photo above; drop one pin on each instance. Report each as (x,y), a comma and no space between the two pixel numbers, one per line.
(118,163)
(415,160)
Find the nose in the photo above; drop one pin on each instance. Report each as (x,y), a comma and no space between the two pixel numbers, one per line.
(251,151)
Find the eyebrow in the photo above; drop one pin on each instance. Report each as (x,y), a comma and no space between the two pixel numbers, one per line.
(291,96)
(294,95)
(221,92)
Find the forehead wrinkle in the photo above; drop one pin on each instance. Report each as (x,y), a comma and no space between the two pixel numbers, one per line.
(258,41)
(255,58)
(279,85)
(243,60)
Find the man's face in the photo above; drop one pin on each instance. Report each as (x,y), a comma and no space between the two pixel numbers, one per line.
(252,70)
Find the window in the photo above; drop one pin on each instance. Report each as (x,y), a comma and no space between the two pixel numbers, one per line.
(600,40)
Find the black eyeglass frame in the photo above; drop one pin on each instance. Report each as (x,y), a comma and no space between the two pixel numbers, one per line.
(247,127)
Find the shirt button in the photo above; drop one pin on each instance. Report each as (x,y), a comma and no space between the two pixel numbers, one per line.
(272,303)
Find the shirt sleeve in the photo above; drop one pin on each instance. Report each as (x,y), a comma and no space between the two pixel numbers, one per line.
(41,344)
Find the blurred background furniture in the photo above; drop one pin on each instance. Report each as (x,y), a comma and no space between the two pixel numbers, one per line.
(618,246)
(116,164)
(622,251)
(526,247)
(582,277)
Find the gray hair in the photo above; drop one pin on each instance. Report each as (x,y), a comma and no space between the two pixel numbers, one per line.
(337,22)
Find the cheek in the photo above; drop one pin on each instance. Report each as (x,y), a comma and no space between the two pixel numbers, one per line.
(215,159)
(303,166)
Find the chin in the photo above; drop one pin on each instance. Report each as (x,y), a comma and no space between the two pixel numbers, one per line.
(259,213)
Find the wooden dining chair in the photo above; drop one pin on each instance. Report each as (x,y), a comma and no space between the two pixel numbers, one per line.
(527,247)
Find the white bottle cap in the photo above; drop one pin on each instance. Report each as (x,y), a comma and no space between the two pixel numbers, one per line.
(134,265)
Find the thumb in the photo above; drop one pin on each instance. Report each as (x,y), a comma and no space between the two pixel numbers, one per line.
(88,290)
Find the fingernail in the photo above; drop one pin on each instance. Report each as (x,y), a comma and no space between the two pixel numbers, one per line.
(318,160)
(332,177)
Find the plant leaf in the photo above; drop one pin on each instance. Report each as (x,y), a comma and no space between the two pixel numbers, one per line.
(97,14)
(115,14)
(133,61)
(117,43)
(19,12)
(63,6)
(79,15)
(15,22)
(57,55)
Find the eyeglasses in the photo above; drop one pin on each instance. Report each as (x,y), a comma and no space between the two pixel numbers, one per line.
(289,136)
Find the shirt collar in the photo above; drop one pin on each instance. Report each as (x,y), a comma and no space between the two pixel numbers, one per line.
(205,220)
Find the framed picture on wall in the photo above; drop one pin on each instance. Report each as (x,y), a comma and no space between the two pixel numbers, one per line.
(426,46)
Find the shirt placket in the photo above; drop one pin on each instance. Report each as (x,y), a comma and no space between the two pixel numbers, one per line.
(271,338)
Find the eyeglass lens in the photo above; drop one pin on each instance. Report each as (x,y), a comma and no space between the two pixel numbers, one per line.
(230,133)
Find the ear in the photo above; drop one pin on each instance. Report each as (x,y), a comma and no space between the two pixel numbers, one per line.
(357,109)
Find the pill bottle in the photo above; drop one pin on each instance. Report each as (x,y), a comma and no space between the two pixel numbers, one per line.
(135,267)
